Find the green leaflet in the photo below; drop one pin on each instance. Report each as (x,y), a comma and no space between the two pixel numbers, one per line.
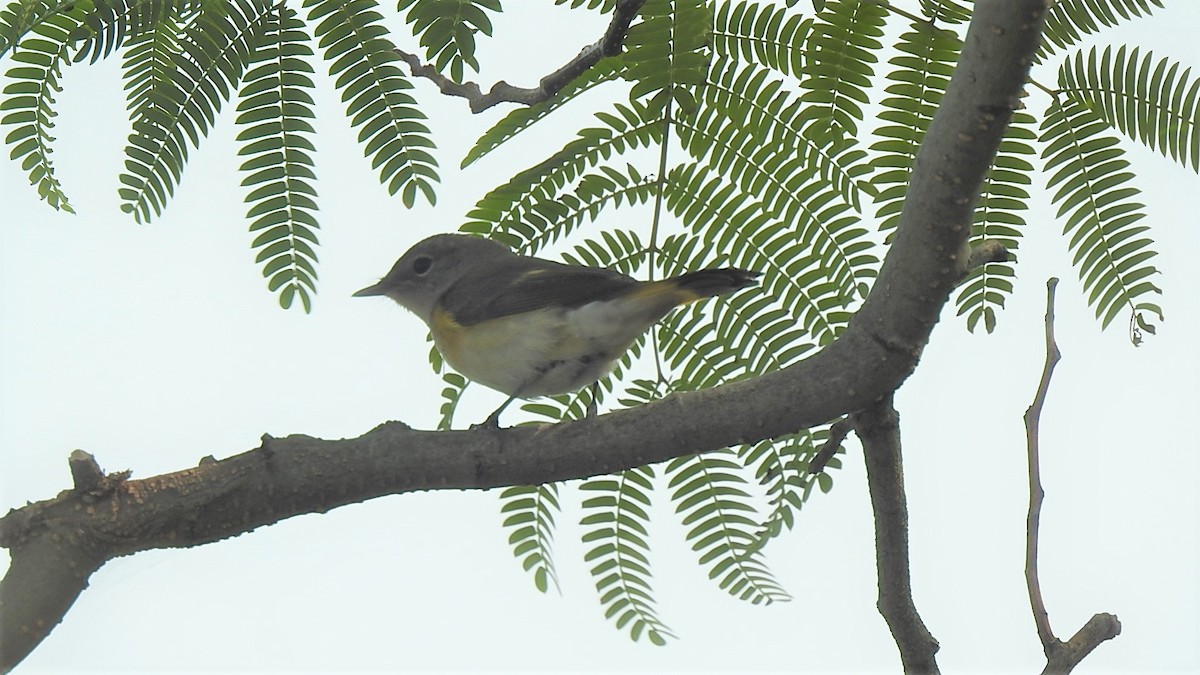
(840,55)
(520,119)
(375,91)
(112,24)
(532,209)
(998,218)
(1111,253)
(529,513)
(274,109)
(918,81)
(781,466)
(617,541)
(666,54)
(1152,103)
(947,11)
(770,36)
(447,28)
(1069,20)
(708,494)
(28,107)
(183,100)
(20,17)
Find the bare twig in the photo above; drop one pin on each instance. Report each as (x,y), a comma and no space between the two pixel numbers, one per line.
(837,433)
(878,428)
(609,44)
(1061,657)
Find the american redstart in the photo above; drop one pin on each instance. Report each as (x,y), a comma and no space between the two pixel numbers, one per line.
(530,327)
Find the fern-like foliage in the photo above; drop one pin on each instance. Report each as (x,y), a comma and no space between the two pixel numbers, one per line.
(666,53)
(21,16)
(1153,103)
(447,29)
(529,513)
(615,518)
(1068,21)
(111,23)
(708,492)
(526,213)
(918,81)
(945,11)
(28,106)
(800,297)
(814,227)
(183,102)
(1111,252)
(840,55)
(761,110)
(452,393)
(148,65)
(375,91)
(767,35)
(520,119)
(605,6)
(274,109)
(781,466)
(998,218)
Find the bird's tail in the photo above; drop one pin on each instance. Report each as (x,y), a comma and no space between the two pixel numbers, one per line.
(711,282)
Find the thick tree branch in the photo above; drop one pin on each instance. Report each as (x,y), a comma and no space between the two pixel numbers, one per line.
(298,474)
(1061,657)
(879,430)
(609,44)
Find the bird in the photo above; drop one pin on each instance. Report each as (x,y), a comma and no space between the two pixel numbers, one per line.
(529,327)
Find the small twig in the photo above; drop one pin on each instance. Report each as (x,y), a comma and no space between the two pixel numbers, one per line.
(609,44)
(837,433)
(986,251)
(1033,417)
(1061,657)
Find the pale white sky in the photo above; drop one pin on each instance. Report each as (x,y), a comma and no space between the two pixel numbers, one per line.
(152,346)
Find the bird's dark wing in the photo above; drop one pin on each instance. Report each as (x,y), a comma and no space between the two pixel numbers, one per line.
(527,284)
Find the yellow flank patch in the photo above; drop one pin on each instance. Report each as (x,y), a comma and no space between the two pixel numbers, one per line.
(447,332)
(671,287)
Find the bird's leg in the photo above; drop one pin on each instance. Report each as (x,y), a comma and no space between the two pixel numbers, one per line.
(593,407)
(493,420)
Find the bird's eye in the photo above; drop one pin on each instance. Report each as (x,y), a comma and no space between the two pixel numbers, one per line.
(421,265)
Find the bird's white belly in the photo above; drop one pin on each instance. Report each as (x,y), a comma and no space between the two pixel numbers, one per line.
(542,353)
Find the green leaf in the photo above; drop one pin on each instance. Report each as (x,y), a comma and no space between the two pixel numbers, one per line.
(176,96)
(708,494)
(28,107)
(1153,103)
(616,515)
(447,29)
(998,219)
(273,112)
(1069,20)
(1095,196)
(771,36)
(667,52)
(840,55)
(529,519)
(390,128)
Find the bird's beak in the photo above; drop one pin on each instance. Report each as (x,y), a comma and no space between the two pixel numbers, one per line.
(376,289)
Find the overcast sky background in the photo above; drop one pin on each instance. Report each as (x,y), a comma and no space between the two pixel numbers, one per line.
(152,346)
